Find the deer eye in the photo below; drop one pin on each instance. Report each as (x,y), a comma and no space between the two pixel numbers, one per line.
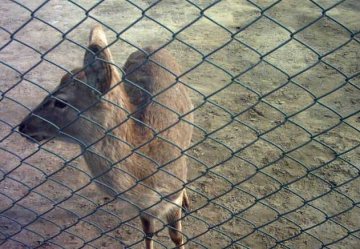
(60,104)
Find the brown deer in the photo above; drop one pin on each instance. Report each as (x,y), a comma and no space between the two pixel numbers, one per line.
(132,132)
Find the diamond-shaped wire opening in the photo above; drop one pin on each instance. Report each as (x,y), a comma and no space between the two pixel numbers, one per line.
(296,136)
(15,22)
(323,154)
(290,99)
(320,79)
(345,58)
(53,15)
(337,101)
(194,35)
(310,35)
(292,57)
(173,17)
(6,55)
(263,78)
(260,153)
(339,138)
(286,171)
(348,21)
(261,118)
(229,135)
(232,15)
(324,232)
(234,98)
(302,14)
(304,187)
(266,35)
(316,119)
(276,136)
(239,58)
(141,33)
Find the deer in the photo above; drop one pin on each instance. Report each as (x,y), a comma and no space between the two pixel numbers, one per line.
(132,129)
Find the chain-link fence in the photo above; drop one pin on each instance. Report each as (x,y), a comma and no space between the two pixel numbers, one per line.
(274,157)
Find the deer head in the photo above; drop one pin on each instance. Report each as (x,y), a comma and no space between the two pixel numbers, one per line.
(75,104)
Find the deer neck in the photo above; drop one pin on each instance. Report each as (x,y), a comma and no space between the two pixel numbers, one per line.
(110,144)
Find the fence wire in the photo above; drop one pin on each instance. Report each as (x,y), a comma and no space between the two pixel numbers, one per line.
(274,158)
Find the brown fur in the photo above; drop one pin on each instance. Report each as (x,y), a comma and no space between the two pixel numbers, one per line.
(127,136)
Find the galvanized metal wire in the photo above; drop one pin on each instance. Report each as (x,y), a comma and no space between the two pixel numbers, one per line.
(340,224)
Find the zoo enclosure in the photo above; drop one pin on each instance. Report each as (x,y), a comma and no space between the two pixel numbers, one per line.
(292,181)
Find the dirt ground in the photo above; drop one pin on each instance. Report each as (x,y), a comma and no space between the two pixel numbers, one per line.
(276,158)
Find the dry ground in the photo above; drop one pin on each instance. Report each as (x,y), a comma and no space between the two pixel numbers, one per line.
(280,164)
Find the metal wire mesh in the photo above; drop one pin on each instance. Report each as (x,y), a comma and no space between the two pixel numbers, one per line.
(274,159)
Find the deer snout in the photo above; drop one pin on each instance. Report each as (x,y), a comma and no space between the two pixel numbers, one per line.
(29,132)
(22,129)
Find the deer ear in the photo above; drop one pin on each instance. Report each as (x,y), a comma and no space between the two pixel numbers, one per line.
(97,61)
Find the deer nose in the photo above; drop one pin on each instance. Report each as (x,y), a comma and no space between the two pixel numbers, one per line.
(22,128)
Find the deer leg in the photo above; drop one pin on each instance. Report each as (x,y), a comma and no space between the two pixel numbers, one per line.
(173,218)
(148,228)
(186,201)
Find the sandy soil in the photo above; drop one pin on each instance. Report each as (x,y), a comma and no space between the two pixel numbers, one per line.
(275,161)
